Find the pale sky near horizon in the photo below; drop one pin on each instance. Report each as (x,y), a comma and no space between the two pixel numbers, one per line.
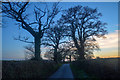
(12,49)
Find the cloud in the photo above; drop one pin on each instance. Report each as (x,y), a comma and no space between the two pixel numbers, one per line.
(110,42)
(107,53)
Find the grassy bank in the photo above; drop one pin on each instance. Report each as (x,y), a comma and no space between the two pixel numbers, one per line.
(96,69)
(28,69)
(81,74)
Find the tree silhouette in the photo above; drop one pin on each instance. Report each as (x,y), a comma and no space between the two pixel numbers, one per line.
(29,52)
(84,25)
(90,46)
(67,50)
(54,37)
(35,26)
(49,54)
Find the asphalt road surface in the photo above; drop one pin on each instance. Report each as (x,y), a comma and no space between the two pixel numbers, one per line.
(64,72)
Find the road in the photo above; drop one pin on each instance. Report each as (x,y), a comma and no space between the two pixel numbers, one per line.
(64,72)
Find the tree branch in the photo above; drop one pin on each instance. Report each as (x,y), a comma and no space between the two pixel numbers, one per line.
(23,40)
(22,9)
(48,44)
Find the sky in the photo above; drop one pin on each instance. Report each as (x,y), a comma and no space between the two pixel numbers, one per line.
(64,0)
(12,49)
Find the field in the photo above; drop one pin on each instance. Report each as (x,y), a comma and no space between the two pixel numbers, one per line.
(96,69)
(28,69)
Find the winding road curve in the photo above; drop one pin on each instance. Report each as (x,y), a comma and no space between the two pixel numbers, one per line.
(64,72)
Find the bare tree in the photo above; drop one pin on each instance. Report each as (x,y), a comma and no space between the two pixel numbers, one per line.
(84,24)
(29,52)
(67,50)
(90,46)
(54,37)
(36,26)
(49,54)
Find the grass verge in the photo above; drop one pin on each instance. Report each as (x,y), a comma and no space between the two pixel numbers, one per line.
(28,69)
(99,69)
(81,74)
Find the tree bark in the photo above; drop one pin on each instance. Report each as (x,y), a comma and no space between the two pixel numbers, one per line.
(37,48)
(55,55)
(79,48)
(70,57)
(82,53)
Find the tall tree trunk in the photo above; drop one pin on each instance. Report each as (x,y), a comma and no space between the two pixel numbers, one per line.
(82,53)
(80,49)
(70,57)
(55,55)
(37,48)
